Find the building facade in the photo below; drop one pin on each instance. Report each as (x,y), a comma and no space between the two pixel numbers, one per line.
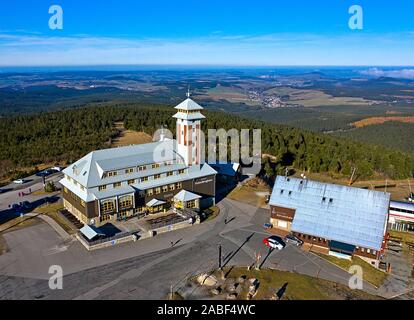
(401,216)
(336,220)
(135,180)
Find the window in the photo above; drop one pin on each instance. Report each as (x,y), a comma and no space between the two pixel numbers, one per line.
(374,252)
(66,190)
(169,174)
(158,190)
(133,181)
(102,188)
(362,250)
(182,171)
(150,192)
(191,204)
(129,170)
(125,202)
(155,166)
(171,187)
(165,189)
(83,204)
(368,251)
(112,174)
(117,185)
(178,185)
(142,168)
(157,176)
(107,206)
(144,179)
(75,183)
(82,188)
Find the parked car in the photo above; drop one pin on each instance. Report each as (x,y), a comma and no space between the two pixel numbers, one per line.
(26,205)
(293,240)
(45,173)
(1,191)
(57,169)
(274,243)
(268,226)
(19,181)
(16,206)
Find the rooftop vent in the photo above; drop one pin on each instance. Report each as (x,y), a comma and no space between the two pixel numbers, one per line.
(281,191)
(330,200)
(324,199)
(290,193)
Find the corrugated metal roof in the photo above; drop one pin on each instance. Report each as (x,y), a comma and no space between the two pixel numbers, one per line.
(346,214)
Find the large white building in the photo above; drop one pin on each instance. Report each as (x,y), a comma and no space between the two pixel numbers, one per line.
(140,179)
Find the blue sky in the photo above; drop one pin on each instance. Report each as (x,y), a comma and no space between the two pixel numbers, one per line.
(209,32)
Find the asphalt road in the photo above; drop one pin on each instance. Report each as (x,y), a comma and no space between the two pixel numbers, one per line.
(12,195)
(146,269)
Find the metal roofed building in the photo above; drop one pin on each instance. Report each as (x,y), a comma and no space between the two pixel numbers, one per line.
(139,179)
(339,220)
(401,216)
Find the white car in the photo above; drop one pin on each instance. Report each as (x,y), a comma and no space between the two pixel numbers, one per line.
(18,181)
(274,243)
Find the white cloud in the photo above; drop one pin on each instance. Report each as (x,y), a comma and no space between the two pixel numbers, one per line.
(217,48)
(400,73)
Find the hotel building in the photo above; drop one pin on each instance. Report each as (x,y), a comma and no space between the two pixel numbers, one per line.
(142,179)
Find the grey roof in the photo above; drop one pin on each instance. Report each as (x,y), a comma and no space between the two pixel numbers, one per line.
(90,232)
(354,216)
(402,205)
(88,171)
(189,105)
(155,202)
(227,169)
(185,196)
(189,116)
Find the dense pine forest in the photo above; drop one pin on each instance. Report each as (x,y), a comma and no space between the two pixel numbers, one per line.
(65,136)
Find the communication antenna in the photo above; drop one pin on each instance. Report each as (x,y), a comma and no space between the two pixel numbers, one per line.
(188,92)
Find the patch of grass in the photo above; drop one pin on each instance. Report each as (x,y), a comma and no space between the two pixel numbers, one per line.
(248,195)
(370,273)
(215,211)
(51,210)
(298,287)
(3,245)
(405,236)
(18,223)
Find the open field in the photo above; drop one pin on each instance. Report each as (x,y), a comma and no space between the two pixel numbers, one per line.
(297,286)
(370,274)
(315,98)
(231,94)
(252,192)
(381,120)
(129,137)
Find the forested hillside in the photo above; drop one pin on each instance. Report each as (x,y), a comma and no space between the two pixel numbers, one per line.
(394,135)
(67,135)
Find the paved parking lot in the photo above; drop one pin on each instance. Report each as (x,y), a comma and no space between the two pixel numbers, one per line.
(146,269)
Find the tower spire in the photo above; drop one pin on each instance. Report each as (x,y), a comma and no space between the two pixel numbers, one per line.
(188,92)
